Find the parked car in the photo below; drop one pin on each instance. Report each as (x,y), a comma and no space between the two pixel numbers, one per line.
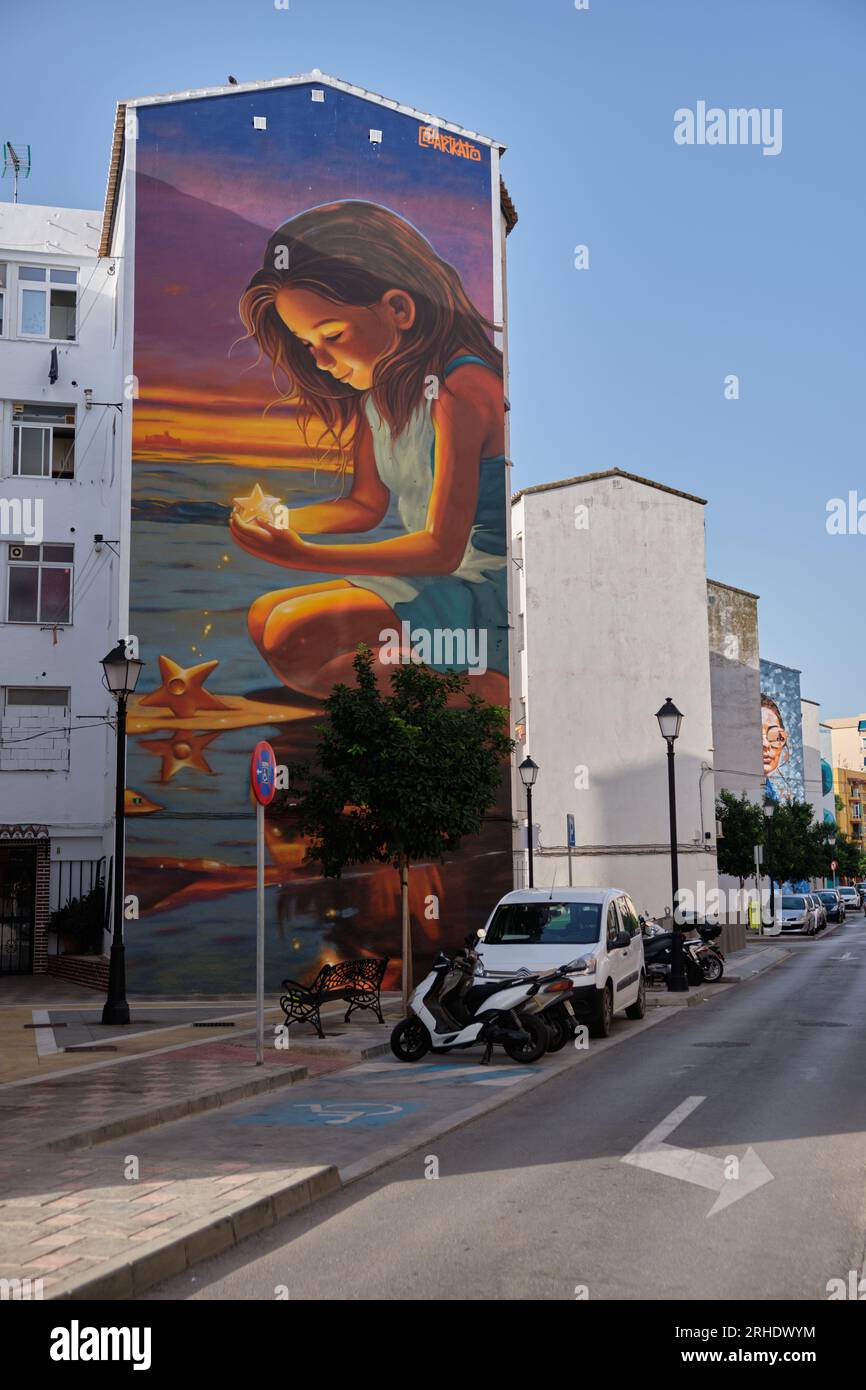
(833,904)
(819,910)
(797,913)
(541,929)
(851,899)
(861,889)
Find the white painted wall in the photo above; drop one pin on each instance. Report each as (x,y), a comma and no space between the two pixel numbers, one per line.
(811,716)
(72,792)
(610,618)
(848,743)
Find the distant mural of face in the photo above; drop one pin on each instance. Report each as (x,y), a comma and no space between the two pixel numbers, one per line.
(346,340)
(774,739)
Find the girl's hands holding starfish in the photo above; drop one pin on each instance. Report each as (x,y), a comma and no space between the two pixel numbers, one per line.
(278,544)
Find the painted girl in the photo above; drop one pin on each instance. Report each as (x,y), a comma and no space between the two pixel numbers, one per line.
(374,336)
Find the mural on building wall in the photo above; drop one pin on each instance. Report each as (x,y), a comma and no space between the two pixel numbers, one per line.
(318,460)
(782,733)
(828,796)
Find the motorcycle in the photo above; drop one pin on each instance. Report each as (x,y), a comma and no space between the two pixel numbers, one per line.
(449,1011)
(657,958)
(713,959)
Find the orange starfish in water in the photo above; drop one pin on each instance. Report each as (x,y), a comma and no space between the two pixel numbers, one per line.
(182,688)
(181,749)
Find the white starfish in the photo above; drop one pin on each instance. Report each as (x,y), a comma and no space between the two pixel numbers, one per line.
(257,504)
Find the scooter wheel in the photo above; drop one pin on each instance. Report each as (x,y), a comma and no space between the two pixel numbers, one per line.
(535,1044)
(560,1034)
(410,1040)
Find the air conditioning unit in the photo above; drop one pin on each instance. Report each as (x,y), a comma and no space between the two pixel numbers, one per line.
(16,552)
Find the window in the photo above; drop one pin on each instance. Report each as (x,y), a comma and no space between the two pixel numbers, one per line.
(628,913)
(40,584)
(34,730)
(43,441)
(2,296)
(544,924)
(54,697)
(47,302)
(613,927)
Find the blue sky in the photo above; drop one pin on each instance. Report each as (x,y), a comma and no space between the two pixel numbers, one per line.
(704,261)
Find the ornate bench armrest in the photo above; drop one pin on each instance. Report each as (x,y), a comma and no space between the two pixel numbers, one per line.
(296,986)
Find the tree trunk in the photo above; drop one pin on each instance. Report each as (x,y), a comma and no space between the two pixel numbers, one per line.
(407,932)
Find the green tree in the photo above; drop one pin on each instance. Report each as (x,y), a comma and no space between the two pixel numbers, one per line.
(742,823)
(791,844)
(400,777)
(823,832)
(850,858)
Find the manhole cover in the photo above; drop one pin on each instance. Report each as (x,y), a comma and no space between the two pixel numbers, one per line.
(722,1044)
(820,1023)
(208,1024)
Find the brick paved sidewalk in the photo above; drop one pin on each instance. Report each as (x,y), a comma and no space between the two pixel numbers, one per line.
(73,1213)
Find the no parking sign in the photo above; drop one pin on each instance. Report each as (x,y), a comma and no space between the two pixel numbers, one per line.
(263,773)
(263,780)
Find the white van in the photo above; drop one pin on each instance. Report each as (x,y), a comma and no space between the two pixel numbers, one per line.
(543,928)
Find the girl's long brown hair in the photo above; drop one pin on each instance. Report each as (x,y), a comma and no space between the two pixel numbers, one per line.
(352,252)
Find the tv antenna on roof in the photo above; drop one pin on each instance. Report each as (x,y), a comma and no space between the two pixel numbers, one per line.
(16,158)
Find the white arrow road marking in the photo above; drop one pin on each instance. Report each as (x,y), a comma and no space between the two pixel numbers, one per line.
(705,1170)
(847,956)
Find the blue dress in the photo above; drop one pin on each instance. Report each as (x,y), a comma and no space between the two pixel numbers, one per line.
(474,597)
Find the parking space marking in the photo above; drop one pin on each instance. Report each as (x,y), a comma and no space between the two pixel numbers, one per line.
(443,1071)
(46,1043)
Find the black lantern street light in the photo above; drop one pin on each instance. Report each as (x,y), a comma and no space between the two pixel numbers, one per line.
(121,678)
(769,809)
(528,772)
(670,720)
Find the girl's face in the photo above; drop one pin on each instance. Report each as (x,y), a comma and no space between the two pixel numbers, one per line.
(346,340)
(774,739)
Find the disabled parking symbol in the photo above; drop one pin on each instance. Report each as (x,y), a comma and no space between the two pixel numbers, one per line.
(333,1112)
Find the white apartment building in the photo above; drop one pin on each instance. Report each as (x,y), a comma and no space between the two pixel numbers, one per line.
(610,618)
(61,417)
(848,737)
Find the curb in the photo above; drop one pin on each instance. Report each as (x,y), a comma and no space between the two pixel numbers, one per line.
(176,1110)
(127,1277)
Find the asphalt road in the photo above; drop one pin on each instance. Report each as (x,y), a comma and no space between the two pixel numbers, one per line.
(535,1200)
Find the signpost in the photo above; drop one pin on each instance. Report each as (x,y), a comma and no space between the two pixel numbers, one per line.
(263,781)
(571,840)
(756,919)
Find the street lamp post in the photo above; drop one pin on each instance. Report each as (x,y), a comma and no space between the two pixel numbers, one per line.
(670,720)
(528,772)
(831,841)
(121,677)
(769,811)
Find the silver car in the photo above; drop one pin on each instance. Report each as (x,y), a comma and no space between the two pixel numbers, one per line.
(851,899)
(819,910)
(797,913)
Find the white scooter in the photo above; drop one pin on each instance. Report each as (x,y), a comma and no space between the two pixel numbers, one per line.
(448,1011)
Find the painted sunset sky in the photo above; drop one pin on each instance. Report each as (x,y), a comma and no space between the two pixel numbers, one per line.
(210,190)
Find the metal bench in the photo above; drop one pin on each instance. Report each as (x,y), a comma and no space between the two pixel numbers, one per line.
(358,982)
